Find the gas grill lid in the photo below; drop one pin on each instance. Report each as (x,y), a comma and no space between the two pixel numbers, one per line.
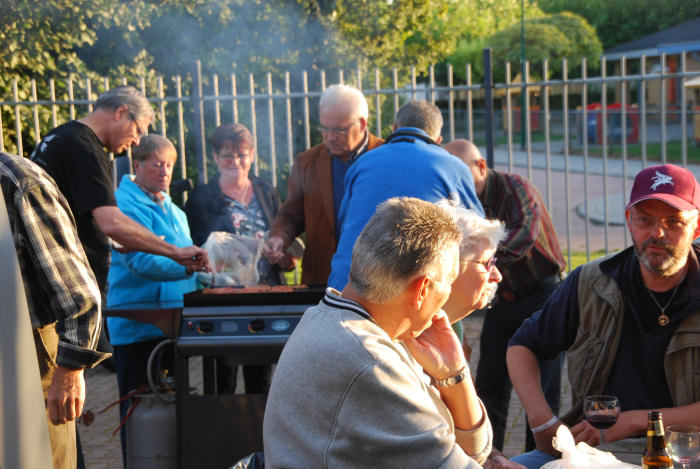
(279,295)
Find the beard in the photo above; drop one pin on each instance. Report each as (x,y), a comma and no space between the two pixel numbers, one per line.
(490,292)
(661,266)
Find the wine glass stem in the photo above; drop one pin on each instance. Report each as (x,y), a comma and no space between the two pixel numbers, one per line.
(685,465)
(602,437)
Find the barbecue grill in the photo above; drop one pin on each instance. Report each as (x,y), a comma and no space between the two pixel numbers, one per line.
(251,325)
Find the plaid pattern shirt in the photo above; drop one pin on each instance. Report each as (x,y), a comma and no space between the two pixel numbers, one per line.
(531,250)
(59,285)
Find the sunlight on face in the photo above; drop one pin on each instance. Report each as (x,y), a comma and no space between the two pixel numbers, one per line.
(155,173)
(662,236)
(475,287)
(438,292)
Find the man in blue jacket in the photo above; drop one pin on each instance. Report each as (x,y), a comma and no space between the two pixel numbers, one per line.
(411,163)
(139,277)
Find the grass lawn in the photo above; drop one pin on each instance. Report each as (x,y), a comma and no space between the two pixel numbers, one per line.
(634,151)
(579,257)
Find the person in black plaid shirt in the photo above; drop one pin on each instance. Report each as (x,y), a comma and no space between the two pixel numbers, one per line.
(62,295)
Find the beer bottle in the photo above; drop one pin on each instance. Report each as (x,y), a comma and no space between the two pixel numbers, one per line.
(655,454)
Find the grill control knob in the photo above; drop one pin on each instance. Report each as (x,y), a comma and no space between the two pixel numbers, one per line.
(256,325)
(205,327)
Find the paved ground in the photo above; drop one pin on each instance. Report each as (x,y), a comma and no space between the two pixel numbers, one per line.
(100,448)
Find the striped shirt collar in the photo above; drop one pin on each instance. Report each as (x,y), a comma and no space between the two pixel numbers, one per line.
(334,300)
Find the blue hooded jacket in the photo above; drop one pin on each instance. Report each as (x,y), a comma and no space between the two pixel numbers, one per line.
(138,277)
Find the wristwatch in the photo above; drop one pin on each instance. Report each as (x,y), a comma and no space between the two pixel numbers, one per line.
(452,380)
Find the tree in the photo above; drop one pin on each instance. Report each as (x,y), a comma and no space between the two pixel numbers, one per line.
(483,18)
(621,21)
(547,37)
(388,34)
(39,42)
(552,38)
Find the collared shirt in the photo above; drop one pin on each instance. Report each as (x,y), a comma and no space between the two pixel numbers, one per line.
(57,279)
(157,198)
(339,169)
(531,250)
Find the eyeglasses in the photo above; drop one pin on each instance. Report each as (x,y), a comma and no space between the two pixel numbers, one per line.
(336,130)
(138,127)
(488,264)
(674,224)
(229,156)
(159,164)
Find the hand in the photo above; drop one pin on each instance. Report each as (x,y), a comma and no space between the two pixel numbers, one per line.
(66,395)
(195,257)
(584,431)
(288,262)
(120,247)
(543,440)
(467,349)
(628,424)
(272,250)
(437,349)
(497,460)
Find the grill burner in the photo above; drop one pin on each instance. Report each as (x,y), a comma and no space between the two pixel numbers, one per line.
(249,324)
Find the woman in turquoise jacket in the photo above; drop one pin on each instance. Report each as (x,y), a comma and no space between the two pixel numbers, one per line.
(138,277)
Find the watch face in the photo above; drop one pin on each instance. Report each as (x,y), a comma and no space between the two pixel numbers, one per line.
(452,380)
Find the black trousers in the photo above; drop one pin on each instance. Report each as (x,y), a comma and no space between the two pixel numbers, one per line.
(492,381)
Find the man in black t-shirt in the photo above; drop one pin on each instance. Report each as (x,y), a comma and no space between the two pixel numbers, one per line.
(74,155)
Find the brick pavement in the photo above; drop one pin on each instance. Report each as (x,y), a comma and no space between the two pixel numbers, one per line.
(102,451)
(100,448)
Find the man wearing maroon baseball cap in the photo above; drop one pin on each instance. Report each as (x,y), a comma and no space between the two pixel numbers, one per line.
(669,183)
(630,322)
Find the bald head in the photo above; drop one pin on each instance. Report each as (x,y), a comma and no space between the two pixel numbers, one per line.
(471,156)
(464,150)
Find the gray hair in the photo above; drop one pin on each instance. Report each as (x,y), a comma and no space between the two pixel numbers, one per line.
(148,145)
(477,231)
(405,237)
(421,115)
(127,96)
(346,98)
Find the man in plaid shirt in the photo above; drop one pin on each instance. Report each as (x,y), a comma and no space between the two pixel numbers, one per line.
(62,295)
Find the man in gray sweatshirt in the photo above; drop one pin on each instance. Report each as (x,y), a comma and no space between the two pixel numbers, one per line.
(375,374)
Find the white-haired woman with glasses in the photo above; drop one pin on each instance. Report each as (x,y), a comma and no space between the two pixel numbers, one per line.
(478,279)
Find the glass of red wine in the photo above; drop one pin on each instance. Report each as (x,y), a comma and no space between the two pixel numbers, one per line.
(601,412)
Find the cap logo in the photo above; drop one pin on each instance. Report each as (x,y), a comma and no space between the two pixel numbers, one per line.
(660,179)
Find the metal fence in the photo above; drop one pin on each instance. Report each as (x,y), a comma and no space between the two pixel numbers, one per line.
(582,141)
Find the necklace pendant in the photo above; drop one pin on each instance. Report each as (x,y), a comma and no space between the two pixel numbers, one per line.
(663,319)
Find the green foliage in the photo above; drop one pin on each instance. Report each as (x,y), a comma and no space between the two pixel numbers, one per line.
(481,19)
(238,36)
(110,41)
(621,21)
(552,38)
(395,33)
(547,37)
